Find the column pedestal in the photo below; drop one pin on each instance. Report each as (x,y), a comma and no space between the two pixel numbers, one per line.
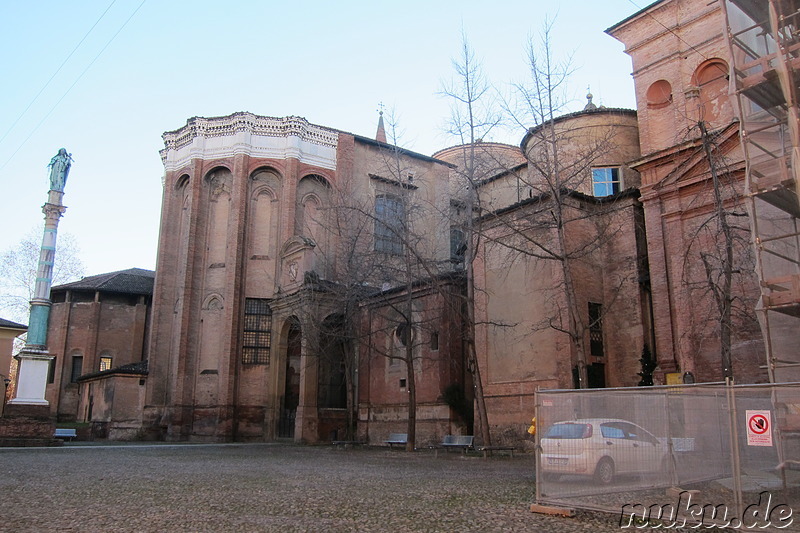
(32,378)
(26,419)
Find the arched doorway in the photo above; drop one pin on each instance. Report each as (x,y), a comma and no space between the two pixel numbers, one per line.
(291,391)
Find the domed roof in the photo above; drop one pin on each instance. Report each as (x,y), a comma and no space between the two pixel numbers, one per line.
(490,158)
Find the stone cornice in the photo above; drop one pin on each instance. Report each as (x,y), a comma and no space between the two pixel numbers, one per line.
(246,133)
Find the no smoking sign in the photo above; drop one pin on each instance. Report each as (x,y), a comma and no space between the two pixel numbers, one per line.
(759,428)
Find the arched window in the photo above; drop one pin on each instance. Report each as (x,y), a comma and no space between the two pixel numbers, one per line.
(389,224)
(403,335)
(312,194)
(219,185)
(659,94)
(711,78)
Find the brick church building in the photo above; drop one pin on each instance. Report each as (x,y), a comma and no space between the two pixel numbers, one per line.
(310,282)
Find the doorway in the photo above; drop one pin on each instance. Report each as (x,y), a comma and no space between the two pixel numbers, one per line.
(291,390)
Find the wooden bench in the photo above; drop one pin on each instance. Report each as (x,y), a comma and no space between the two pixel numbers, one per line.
(489,449)
(63,433)
(458,442)
(401,439)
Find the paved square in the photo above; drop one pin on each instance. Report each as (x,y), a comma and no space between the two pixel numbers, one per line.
(269,487)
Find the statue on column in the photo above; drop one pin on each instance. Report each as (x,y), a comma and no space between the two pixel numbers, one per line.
(59,169)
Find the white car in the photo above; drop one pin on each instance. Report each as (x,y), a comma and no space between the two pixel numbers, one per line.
(601,447)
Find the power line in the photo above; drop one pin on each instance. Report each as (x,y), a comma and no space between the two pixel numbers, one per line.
(73,85)
(56,72)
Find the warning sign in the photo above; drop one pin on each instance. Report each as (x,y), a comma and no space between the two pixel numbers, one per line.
(759,428)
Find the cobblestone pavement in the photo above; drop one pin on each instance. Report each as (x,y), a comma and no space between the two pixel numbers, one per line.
(269,487)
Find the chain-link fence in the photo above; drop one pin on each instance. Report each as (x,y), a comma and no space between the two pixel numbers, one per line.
(706,453)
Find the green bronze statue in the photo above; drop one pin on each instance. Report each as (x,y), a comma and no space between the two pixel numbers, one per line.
(59,169)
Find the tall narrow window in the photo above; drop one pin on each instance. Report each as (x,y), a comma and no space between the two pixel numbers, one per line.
(596,330)
(458,246)
(388,224)
(77,368)
(51,371)
(605,181)
(257,334)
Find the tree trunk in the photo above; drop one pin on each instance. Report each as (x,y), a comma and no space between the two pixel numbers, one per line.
(472,356)
(721,291)
(411,386)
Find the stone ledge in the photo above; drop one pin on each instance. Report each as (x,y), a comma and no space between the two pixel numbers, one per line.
(23,442)
(19,430)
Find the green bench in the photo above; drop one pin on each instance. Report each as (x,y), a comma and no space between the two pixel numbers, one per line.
(455,442)
(63,433)
(401,439)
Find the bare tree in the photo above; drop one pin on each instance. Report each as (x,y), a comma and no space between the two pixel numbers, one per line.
(344,274)
(18,266)
(472,117)
(377,257)
(720,245)
(562,222)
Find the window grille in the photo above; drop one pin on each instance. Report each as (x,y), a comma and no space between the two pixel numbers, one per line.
(596,330)
(257,334)
(105,363)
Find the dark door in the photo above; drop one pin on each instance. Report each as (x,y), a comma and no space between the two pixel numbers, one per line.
(291,394)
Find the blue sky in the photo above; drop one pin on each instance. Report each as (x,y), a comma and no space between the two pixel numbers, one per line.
(146,67)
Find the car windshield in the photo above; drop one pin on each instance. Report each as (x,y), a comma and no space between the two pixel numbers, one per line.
(566,431)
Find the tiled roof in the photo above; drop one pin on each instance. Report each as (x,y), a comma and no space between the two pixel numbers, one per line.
(11,325)
(131,281)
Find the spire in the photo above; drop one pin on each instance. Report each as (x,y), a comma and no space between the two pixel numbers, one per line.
(589,105)
(380,136)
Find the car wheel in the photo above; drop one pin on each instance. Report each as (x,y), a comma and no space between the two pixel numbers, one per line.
(604,473)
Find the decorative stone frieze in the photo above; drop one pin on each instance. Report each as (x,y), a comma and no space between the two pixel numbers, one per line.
(253,135)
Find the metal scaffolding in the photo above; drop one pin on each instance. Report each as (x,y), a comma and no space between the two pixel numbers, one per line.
(764,41)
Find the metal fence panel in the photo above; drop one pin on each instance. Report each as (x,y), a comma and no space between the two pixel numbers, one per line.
(707,453)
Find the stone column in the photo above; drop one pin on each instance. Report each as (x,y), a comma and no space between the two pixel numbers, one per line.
(27,420)
(305,429)
(34,359)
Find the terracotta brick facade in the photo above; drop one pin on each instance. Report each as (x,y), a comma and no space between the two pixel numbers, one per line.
(95,327)
(257,225)
(255,274)
(521,301)
(680,71)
